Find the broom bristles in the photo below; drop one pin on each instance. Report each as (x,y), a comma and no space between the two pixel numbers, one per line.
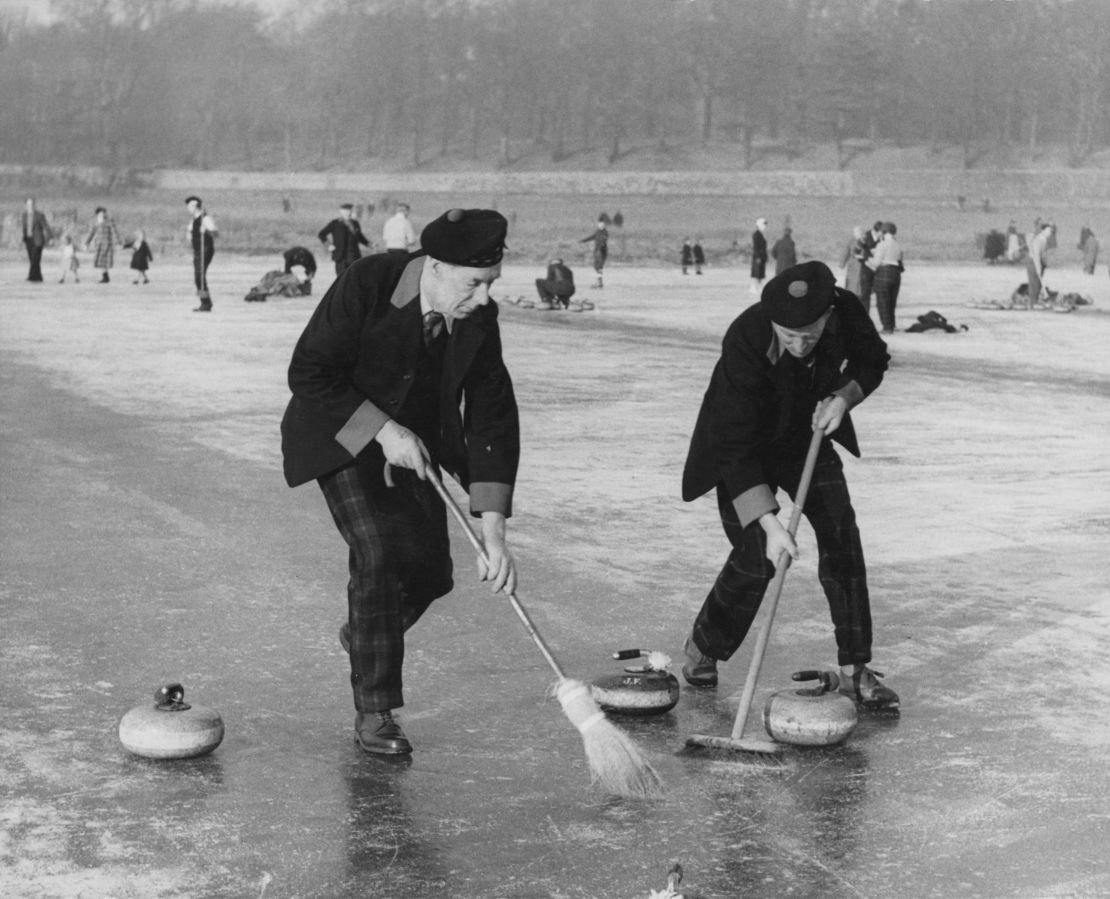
(615,762)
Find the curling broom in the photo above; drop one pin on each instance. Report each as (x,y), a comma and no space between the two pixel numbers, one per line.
(615,762)
(763,751)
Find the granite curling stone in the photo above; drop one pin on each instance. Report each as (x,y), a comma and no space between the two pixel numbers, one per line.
(171,728)
(648,689)
(817,716)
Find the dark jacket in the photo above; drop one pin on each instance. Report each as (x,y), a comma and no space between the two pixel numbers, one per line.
(355,363)
(39,232)
(759,404)
(345,238)
(560,279)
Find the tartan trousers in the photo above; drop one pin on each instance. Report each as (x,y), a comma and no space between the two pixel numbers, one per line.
(731,606)
(399,561)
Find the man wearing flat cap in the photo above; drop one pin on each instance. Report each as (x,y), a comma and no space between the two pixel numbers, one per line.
(796,361)
(343,235)
(396,345)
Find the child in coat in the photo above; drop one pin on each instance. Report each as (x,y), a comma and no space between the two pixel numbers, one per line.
(141,257)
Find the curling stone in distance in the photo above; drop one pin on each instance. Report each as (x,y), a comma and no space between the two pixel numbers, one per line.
(817,716)
(171,728)
(648,689)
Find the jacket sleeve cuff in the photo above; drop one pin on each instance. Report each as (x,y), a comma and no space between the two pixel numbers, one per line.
(754,503)
(490,496)
(361,428)
(851,393)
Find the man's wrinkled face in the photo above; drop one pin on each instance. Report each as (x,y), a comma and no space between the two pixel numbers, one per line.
(799,342)
(457,290)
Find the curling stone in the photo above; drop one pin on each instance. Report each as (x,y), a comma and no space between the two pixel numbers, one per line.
(817,716)
(171,728)
(648,689)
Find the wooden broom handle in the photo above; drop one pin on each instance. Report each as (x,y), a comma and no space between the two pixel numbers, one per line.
(776,587)
(476,542)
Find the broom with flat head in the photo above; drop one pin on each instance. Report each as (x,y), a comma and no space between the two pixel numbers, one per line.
(765,753)
(615,762)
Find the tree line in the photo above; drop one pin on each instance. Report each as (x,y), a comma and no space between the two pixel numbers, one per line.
(132,84)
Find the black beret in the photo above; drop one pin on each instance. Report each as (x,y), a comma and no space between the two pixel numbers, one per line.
(470,237)
(189,199)
(346,206)
(800,295)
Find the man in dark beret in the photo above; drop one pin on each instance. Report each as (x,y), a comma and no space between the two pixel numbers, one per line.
(797,360)
(396,344)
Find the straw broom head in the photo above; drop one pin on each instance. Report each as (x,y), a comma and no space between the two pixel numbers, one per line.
(615,762)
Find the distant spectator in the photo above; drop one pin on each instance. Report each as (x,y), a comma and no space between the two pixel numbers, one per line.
(851,259)
(600,240)
(397,233)
(102,242)
(343,235)
(202,233)
(70,262)
(1036,263)
(699,256)
(1013,242)
(36,235)
(994,246)
(141,257)
(303,257)
(784,252)
(867,270)
(759,256)
(686,256)
(1089,246)
(557,288)
(886,262)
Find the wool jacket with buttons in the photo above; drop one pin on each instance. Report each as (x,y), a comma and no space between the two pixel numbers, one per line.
(356,363)
(760,401)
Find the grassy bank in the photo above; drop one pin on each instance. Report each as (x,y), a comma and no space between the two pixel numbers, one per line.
(254,222)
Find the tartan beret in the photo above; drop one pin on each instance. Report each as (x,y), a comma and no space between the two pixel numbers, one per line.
(800,295)
(471,237)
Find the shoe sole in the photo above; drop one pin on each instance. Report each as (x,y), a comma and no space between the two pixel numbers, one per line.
(375,751)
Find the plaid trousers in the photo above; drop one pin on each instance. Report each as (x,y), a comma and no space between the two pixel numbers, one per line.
(399,560)
(731,606)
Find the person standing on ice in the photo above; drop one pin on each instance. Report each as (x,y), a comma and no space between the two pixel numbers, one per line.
(797,360)
(396,345)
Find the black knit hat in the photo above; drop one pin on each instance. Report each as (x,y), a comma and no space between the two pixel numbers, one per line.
(800,295)
(471,237)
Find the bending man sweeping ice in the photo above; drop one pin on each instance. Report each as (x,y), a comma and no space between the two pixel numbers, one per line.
(797,360)
(397,342)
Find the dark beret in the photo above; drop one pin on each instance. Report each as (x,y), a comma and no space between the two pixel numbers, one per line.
(470,237)
(346,206)
(799,296)
(190,199)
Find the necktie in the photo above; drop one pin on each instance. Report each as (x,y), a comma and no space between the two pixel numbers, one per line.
(434,328)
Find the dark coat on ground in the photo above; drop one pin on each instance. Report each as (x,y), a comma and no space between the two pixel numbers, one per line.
(757,407)
(353,367)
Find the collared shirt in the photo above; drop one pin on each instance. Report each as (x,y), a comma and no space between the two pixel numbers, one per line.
(426,307)
(886,252)
(398,233)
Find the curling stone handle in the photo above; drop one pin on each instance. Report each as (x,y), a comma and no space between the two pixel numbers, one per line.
(624,654)
(829,681)
(171,698)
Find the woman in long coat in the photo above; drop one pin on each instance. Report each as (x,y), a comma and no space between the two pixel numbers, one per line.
(102,241)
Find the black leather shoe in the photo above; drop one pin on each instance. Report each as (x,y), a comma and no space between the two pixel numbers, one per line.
(699,670)
(864,687)
(380,733)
